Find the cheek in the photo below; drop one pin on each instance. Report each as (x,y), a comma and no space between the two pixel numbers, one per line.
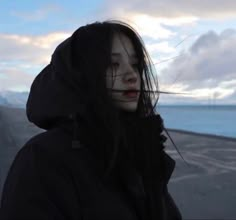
(109,82)
(109,79)
(113,81)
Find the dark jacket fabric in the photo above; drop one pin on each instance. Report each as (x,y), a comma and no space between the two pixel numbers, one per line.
(56,175)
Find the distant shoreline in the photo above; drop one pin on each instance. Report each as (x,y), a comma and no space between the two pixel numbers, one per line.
(196,105)
(202,134)
(221,137)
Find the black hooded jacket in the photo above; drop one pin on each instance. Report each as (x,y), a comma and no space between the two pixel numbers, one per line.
(57,176)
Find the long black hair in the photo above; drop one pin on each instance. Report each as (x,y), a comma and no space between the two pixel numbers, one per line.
(91,56)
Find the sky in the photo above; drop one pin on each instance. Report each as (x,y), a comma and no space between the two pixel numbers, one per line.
(192,43)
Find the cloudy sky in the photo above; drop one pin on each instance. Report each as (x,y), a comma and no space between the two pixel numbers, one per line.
(192,43)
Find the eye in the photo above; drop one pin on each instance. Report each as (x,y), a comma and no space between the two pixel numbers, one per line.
(115,65)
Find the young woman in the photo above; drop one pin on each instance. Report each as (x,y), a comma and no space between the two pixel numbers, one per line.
(102,154)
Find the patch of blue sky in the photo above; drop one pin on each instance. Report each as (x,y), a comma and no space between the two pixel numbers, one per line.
(33,70)
(214,25)
(25,67)
(41,17)
(178,37)
(3,76)
(19,88)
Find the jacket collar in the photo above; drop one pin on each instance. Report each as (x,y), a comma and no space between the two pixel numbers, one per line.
(132,181)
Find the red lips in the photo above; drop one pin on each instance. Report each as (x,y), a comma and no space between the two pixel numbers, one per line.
(131,93)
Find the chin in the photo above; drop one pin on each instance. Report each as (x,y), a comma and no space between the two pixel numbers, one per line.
(131,107)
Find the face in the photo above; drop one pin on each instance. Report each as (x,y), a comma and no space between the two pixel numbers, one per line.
(122,77)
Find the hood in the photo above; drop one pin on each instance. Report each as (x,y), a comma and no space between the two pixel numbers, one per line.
(54,96)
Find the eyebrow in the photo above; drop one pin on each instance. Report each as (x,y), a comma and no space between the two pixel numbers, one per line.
(118,55)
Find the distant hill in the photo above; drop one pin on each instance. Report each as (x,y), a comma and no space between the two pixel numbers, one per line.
(13,99)
(3,101)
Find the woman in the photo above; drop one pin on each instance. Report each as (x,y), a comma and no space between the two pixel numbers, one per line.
(102,154)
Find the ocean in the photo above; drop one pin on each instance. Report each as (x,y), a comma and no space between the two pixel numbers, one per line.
(213,119)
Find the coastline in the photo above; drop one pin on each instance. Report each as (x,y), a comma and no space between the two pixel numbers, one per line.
(207,135)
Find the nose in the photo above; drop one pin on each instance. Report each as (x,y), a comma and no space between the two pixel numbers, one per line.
(131,75)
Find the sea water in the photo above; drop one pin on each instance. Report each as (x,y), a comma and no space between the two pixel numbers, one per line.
(213,119)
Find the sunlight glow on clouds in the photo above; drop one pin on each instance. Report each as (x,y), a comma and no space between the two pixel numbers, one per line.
(162,47)
(31,49)
(203,95)
(14,79)
(22,55)
(217,9)
(203,68)
(151,27)
(154,27)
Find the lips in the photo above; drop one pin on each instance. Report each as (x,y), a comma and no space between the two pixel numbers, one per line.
(131,93)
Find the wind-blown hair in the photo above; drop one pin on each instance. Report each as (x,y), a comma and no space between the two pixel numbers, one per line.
(91,58)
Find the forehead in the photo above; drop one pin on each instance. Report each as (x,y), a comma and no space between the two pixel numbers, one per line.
(121,43)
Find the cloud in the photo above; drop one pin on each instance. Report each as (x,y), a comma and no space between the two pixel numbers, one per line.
(29,49)
(207,68)
(210,59)
(230,99)
(162,47)
(151,27)
(15,79)
(22,57)
(215,95)
(172,9)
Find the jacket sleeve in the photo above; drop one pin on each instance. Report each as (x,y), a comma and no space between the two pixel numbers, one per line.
(37,188)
